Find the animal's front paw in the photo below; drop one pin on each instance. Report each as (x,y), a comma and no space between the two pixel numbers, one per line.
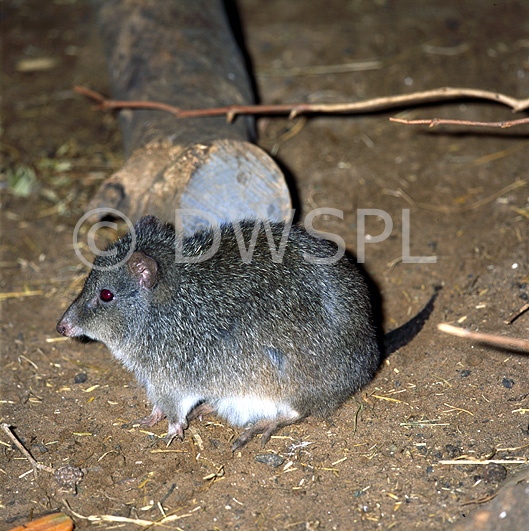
(156,415)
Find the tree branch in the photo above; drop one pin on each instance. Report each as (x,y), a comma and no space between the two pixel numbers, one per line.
(295,109)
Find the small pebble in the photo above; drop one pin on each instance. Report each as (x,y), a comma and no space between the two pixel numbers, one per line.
(452,451)
(464,373)
(508,383)
(494,473)
(40,447)
(272,460)
(80,378)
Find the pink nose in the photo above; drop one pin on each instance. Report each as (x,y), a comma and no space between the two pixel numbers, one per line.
(65,328)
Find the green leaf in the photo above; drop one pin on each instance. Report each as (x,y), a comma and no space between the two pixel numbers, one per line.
(21,181)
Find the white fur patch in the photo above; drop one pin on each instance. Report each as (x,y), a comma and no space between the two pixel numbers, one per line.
(240,411)
(187,403)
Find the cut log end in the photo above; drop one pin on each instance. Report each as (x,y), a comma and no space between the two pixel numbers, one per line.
(210,183)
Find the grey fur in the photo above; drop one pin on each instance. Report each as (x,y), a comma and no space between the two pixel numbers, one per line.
(262,344)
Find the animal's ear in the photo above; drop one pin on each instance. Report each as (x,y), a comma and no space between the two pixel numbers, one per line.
(144,269)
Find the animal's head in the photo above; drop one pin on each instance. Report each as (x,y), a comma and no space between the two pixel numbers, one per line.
(117,294)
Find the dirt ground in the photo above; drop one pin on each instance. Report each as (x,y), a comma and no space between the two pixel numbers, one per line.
(379,461)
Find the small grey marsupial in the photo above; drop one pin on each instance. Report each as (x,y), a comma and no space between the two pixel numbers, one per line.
(262,343)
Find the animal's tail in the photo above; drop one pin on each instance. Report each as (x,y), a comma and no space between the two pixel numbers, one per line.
(404,334)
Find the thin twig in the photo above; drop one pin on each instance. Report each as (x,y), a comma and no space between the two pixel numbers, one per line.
(66,475)
(520,475)
(147,524)
(433,122)
(464,208)
(492,339)
(17,294)
(26,454)
(295,109)
(356,419)
(517,314)
(117,104)
(521,461)
(356,66)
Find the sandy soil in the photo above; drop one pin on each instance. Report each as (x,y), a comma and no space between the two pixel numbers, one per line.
(379,461)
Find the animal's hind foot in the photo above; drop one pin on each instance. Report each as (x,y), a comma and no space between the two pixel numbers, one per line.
(265,426)
(199,411)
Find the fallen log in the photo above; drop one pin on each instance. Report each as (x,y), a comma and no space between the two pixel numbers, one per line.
(185,54)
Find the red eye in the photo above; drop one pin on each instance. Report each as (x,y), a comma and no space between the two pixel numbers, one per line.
(106,295)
